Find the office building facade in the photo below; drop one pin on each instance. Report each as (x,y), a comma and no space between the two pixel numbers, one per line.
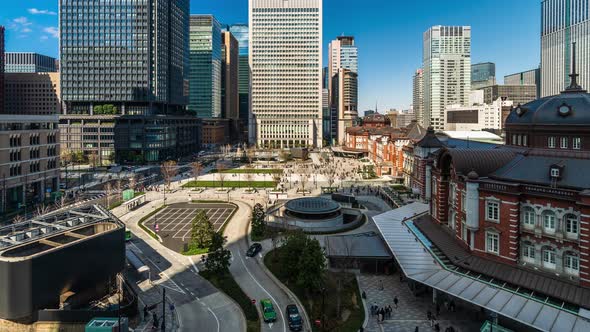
(447,71)
(27,62)
(518,94)
(482,75)
(122,59)
(1,69)
(286,81)
(529,77)
(345,101)
(229,76)
(477,117)
(205,67)
(418,95)
(32,93)
(562,23)
(241,31)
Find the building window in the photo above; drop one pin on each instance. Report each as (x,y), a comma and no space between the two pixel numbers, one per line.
(571,225)
(519,138)
(563,142)
(571,263)
(577,143)
(452,219)
(549,222)
(463,231)
(551,142)
(463,202)
(554,172)
(549,258)
(493,211)
(528,217)
(528,252)
(514,139)
(434,210)
(493,242)
(524,140)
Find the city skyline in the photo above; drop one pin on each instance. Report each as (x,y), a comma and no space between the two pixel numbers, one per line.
(387,79)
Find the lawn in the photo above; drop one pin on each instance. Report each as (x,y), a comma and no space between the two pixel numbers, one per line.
(353,313)
(230,184)
(191,251)
(226,283)
(250,171)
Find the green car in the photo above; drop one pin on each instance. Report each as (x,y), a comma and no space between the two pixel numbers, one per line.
(268,311)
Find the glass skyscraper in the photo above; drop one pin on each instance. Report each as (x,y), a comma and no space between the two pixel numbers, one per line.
(205,66)
(562,23)
(240,31)
(27,62)
(482,75)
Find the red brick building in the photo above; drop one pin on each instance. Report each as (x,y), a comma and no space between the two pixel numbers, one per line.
(518,213)
(1,69)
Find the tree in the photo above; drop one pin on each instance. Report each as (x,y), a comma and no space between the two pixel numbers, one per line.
(197,168)
(220,173)
(311,266)
(303,180)
(218,258)
(249,177)
(257,219)
(65,156)
(168,170)
(42,209)
(108,188)
(250,154)
(201,230)
(93,159)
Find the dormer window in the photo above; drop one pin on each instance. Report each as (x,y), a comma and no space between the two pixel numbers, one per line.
(564,110)
(556,172)
(551,142)
(563,142)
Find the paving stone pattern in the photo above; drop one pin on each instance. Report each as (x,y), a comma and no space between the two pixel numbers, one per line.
(412,310)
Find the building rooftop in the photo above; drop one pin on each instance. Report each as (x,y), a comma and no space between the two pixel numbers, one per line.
(472,135)
(312,205)
(357,245)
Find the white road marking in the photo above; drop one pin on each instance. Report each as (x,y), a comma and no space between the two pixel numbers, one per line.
(260,255)
(193,264)
(162,272)
(214,315)
(267,293)
(270,325)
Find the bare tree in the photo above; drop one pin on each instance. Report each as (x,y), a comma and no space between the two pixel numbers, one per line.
(132,182)
(65,156)
(249,177)
(18,219)
(220,172)
(250,154)
(108,189)
(93,159)
(303,180)
(42,209)
(168,170)
(197,168)
(61,203)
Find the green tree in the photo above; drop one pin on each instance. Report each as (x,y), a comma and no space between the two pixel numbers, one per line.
(258,225)
(201,230)
(311,266)
(290,252)
(218,259)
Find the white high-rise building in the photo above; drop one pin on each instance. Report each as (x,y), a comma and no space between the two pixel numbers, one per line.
(446,62)
(562,23)
(286,65)
(418,96)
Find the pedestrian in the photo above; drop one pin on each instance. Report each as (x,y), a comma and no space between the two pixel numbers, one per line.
(429,315)
(389,310)
(438,309)
(380,284)
(395,301)
(145,311)
(437,327)
(416,329)
(382,314)
(452,306)
(155,320)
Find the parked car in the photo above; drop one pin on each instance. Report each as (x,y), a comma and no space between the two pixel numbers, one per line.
(268,311)
(294,318)
(254,249)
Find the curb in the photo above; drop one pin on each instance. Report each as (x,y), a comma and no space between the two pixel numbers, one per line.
(364,301)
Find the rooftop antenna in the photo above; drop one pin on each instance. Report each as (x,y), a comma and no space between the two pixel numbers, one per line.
(574,86)
(376,106)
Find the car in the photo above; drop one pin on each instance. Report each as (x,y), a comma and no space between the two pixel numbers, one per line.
(268,311)
(294,318)
(254,249)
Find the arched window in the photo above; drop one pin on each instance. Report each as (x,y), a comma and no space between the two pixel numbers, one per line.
(571,263)
(452,218)
(528,217)
(549,258)
(528,252)
(549,222)
(571,225)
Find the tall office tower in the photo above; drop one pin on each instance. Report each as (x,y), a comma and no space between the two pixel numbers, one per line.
(325,78)
(446,63)
(240,31)
(205,67)
(1,69)
(286,65)
(564,22)
(342,54)
(418,95)
(345,100)
(32,93)
(529,77)
(229,76)
(122,63)
(27,62)
(482,75)
(326,118)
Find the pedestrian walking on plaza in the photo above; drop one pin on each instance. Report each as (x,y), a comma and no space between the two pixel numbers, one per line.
(416,329)
(389,310)
(395,301)
(382,314)
(437,327)
(438,309)
(380,284)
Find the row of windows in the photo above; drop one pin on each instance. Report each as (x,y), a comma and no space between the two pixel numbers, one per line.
(564,142)
(571,261)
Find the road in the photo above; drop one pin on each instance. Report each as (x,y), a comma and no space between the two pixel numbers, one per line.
(249,273)
(198,303)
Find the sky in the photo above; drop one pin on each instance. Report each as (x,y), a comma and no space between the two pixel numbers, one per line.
(388,34)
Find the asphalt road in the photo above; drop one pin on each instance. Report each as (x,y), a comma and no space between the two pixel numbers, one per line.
(200,306)
(248,272)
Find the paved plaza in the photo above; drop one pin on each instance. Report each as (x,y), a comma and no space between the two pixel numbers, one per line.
(412,310)
(174,222)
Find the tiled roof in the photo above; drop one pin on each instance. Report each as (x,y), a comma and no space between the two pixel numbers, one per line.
(483,162)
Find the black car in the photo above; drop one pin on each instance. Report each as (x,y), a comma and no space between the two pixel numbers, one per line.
(254,249)
(294,319)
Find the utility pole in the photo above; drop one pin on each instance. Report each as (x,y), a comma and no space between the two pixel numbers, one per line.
(163,309)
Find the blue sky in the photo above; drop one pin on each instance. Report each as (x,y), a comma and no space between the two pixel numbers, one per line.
(388,34)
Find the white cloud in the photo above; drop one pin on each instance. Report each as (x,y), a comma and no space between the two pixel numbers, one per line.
(44,37)
(25,30)
(53,31)
(23,21)
(36,11)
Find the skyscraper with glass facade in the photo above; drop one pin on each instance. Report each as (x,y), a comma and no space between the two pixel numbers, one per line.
(241,31)
(482,75)
(123,63)
(418,95)
(205,66)
(1,69)
(286,65)
(446,64)
(562,23)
